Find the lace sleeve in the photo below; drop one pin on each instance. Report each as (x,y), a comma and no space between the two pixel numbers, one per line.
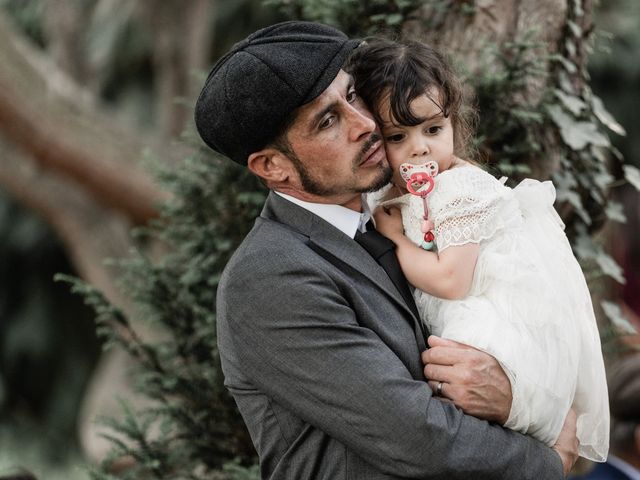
(466,207)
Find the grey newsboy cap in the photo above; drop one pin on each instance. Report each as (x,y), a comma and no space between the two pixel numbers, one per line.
(252,90)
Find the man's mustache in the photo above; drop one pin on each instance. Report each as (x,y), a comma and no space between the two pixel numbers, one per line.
(366,146)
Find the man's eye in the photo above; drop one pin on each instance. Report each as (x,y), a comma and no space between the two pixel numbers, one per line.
(351,96)
(395,138)
(327,122)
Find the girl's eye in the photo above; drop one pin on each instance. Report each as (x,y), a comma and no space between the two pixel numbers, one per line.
(351,96)
(395,138)
(434,129)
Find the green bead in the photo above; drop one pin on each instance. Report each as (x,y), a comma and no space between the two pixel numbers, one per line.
(426,245)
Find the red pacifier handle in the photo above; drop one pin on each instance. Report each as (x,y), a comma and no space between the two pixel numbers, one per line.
(420,179)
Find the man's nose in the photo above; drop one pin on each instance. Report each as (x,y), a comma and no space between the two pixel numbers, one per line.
(361,122)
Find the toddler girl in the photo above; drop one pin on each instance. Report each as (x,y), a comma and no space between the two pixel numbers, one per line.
(504,278)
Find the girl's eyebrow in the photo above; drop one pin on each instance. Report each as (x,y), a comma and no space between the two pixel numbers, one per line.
(436,117)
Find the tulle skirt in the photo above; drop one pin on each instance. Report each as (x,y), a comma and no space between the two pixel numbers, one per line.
(530,308)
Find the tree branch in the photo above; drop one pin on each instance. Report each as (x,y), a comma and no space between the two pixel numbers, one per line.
(51,118)
(89,232)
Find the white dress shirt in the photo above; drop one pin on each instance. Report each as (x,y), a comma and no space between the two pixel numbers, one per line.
(344,219)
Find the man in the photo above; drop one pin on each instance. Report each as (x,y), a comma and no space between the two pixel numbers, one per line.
(623,462)
(320,346)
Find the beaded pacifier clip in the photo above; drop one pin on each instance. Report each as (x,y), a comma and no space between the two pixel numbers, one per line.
(420,182)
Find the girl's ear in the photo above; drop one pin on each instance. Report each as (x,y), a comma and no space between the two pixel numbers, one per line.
(270,164)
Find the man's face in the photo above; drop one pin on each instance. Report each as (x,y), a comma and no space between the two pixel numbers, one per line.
(337,147)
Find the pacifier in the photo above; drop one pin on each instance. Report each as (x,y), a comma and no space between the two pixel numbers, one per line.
(420,182)
(419,178)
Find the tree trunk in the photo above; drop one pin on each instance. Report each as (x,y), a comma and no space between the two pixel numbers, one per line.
(78,167)
(498,22)
(89,232)
(65,25)
(51,118)
(182,40)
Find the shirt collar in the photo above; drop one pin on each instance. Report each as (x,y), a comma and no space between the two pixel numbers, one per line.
(343,218)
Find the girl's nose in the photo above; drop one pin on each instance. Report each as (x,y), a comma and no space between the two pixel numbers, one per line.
(420,148)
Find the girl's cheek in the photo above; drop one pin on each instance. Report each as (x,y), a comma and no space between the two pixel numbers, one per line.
(393,155)
(399,182)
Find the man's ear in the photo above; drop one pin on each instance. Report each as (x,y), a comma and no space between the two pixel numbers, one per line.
(270,164)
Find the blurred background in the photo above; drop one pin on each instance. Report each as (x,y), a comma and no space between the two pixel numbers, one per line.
(88,90)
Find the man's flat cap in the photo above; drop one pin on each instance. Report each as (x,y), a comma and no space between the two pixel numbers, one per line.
(251,91)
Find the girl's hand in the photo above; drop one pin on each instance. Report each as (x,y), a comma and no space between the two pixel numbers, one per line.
(389,222)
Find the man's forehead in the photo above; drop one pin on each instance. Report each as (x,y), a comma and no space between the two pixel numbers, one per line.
(336,89)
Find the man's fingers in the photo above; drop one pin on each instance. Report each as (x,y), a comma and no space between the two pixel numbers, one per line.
(435,341)
(447,355)
(442,373)
(438,388)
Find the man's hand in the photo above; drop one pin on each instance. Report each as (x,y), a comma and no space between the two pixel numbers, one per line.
(471,379)
(567,444)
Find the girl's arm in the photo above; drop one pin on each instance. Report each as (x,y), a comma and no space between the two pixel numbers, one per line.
(446,275)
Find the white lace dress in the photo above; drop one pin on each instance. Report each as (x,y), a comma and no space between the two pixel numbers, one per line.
(528,306)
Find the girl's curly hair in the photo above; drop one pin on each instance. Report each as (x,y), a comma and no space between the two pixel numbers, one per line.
(402,71)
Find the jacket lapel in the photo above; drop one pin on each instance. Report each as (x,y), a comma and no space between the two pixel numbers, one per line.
(337,248)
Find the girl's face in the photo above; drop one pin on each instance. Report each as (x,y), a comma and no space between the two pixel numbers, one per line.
(430,140)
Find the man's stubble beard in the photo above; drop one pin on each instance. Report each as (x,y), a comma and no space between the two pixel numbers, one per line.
(315,187)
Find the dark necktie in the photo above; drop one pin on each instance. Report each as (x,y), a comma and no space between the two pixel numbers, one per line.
(383,251)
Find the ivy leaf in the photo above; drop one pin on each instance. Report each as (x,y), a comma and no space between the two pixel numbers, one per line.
(600,155)
(615,212)
(567,64)
(576,202)
(576,134)
(614,313)
(605,117)
(573,103)
(391,20)
(632,174)
(584,247)
(564,81)
(609,266)
(575,28)
(395,19)
(571,48)
(602,179)
(564,180)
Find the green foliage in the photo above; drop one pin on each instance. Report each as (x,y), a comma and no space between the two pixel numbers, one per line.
(509,119)
(585,178)
(354,17)
(192,425)
(20,453)
(28,15)
(47,341)
(575,122)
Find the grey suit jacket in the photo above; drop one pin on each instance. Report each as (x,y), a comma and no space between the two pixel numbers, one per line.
(322,356)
